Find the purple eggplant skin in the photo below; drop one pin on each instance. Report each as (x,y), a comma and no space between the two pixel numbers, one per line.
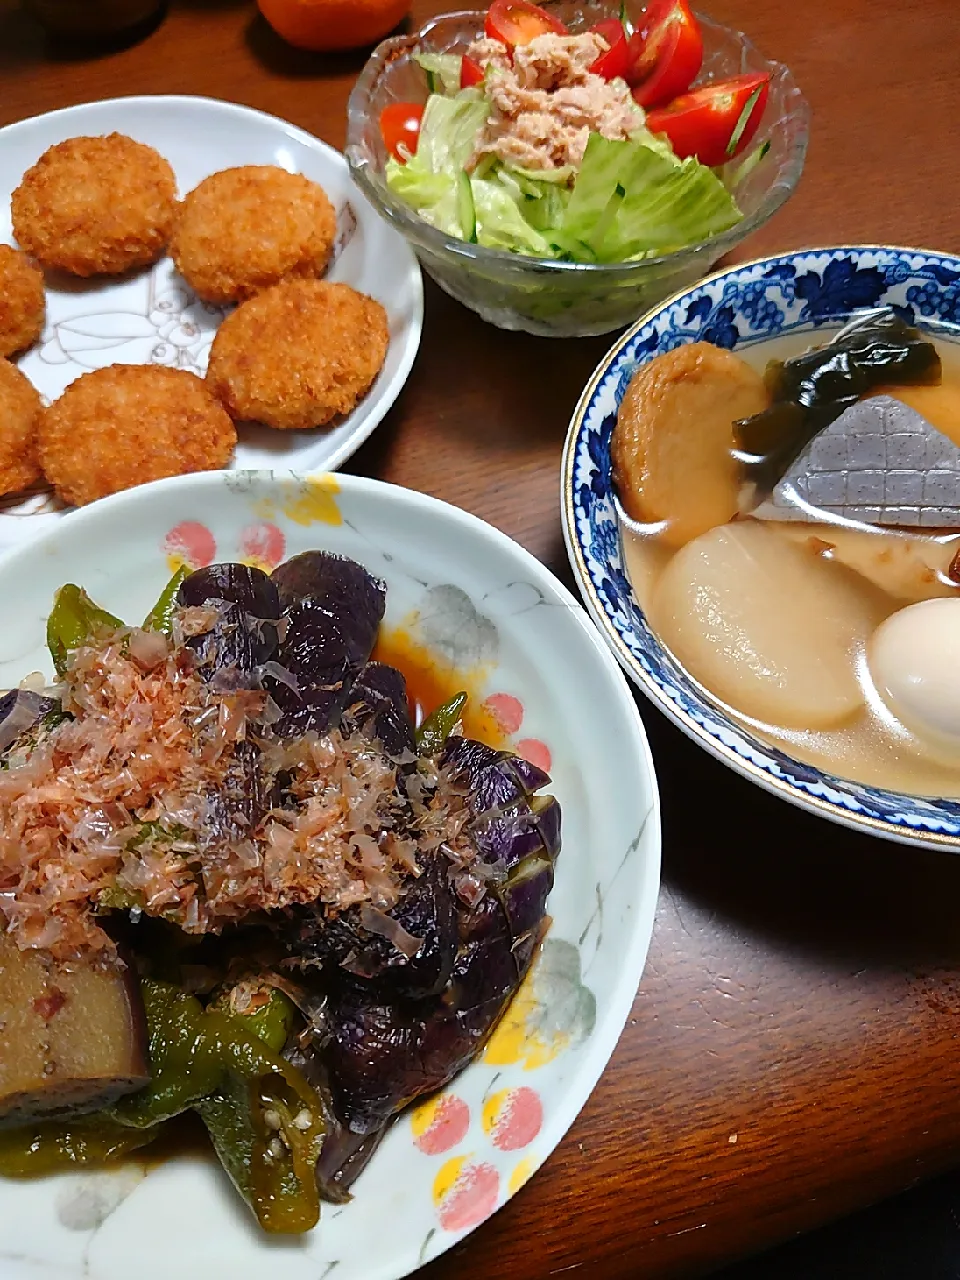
(510,822)
(379,707)
(238,584)
(495,778)
(427,910)
(340,586)
(333,609)
(244,634)
(30,709)
(381,1056)
(382,1050)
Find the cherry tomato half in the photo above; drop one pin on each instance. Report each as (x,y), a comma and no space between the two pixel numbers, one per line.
(400,124)
(670,55)
(514,22)
(615,60)
(716,122)
(471,72)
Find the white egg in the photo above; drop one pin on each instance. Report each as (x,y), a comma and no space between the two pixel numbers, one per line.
(914,662)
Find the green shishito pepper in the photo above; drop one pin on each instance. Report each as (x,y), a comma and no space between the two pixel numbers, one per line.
(74,621)
(439,724)
(263,1117)
(160,617)
(50,1146)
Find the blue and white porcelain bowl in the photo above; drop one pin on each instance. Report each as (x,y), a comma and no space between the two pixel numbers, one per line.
(794,293)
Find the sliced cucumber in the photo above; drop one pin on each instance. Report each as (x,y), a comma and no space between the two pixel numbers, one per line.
(466,208)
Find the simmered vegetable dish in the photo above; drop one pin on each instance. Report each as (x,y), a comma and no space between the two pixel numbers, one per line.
(237,879)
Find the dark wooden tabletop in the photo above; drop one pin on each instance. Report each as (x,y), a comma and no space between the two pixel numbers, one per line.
(792,1052)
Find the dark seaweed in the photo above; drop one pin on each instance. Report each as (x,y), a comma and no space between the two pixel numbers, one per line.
(810,391)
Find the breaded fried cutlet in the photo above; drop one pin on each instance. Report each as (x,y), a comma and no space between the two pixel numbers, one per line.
(244,229)
(22,301)
(127,425)
(20,407)
(96,206)
(298,355)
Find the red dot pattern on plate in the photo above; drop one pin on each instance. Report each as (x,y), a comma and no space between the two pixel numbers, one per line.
(506,710)
(447,1126)
(192,542)
(536,752)
(518,1120)
(264,543)
(471,1199)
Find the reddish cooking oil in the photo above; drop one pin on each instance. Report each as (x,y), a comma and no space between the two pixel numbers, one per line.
(430,682)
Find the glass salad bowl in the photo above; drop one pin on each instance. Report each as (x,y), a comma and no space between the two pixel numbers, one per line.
(542,295)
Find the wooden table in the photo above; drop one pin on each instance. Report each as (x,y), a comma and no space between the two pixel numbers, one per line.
(792,1051)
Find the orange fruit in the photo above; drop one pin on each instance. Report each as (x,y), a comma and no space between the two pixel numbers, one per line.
(326,25)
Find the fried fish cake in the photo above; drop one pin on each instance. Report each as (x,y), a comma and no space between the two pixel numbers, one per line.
(20,407)
(127,425)
(242,230)
(299,354)
(96,206)
(22,301)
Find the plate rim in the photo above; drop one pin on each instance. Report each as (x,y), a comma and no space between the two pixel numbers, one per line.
(413,273)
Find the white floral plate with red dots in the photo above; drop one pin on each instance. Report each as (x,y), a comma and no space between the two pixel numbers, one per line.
(153,317)
(488,608)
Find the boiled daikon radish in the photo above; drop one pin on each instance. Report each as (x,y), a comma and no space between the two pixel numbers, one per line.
(766,625)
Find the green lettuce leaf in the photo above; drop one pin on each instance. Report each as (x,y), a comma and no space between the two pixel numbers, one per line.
(631,200)
(443,71)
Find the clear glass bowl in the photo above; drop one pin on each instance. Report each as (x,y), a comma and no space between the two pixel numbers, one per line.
(538,295)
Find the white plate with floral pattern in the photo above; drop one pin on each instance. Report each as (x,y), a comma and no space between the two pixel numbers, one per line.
(153,317)
(489,608)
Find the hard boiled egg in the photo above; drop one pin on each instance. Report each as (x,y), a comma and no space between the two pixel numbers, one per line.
(914,662)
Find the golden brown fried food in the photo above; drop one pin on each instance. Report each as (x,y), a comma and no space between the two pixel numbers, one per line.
(242,230)
(22,301)
(299,354)
(96,206)
(20,407)
(128,424)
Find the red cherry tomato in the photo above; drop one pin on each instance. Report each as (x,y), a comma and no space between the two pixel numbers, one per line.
(514,22)
(670,55)
(615,60)
(471,72)
(716,122)
(400,124)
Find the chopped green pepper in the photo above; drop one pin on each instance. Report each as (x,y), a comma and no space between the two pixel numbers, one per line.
(29,1151)
(439,724)
(160,617)
(264,1118)
(184,1058)
(266,1012)
(269,1143)
(266,1133)
(74,621)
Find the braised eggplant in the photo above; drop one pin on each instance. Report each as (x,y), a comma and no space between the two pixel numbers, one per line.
(71,1040)
(399,984)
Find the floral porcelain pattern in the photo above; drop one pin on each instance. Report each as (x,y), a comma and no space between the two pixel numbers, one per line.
(153,317)
(455,1159)
(745,305)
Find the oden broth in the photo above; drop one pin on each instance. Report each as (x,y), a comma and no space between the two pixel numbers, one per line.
(872,746)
